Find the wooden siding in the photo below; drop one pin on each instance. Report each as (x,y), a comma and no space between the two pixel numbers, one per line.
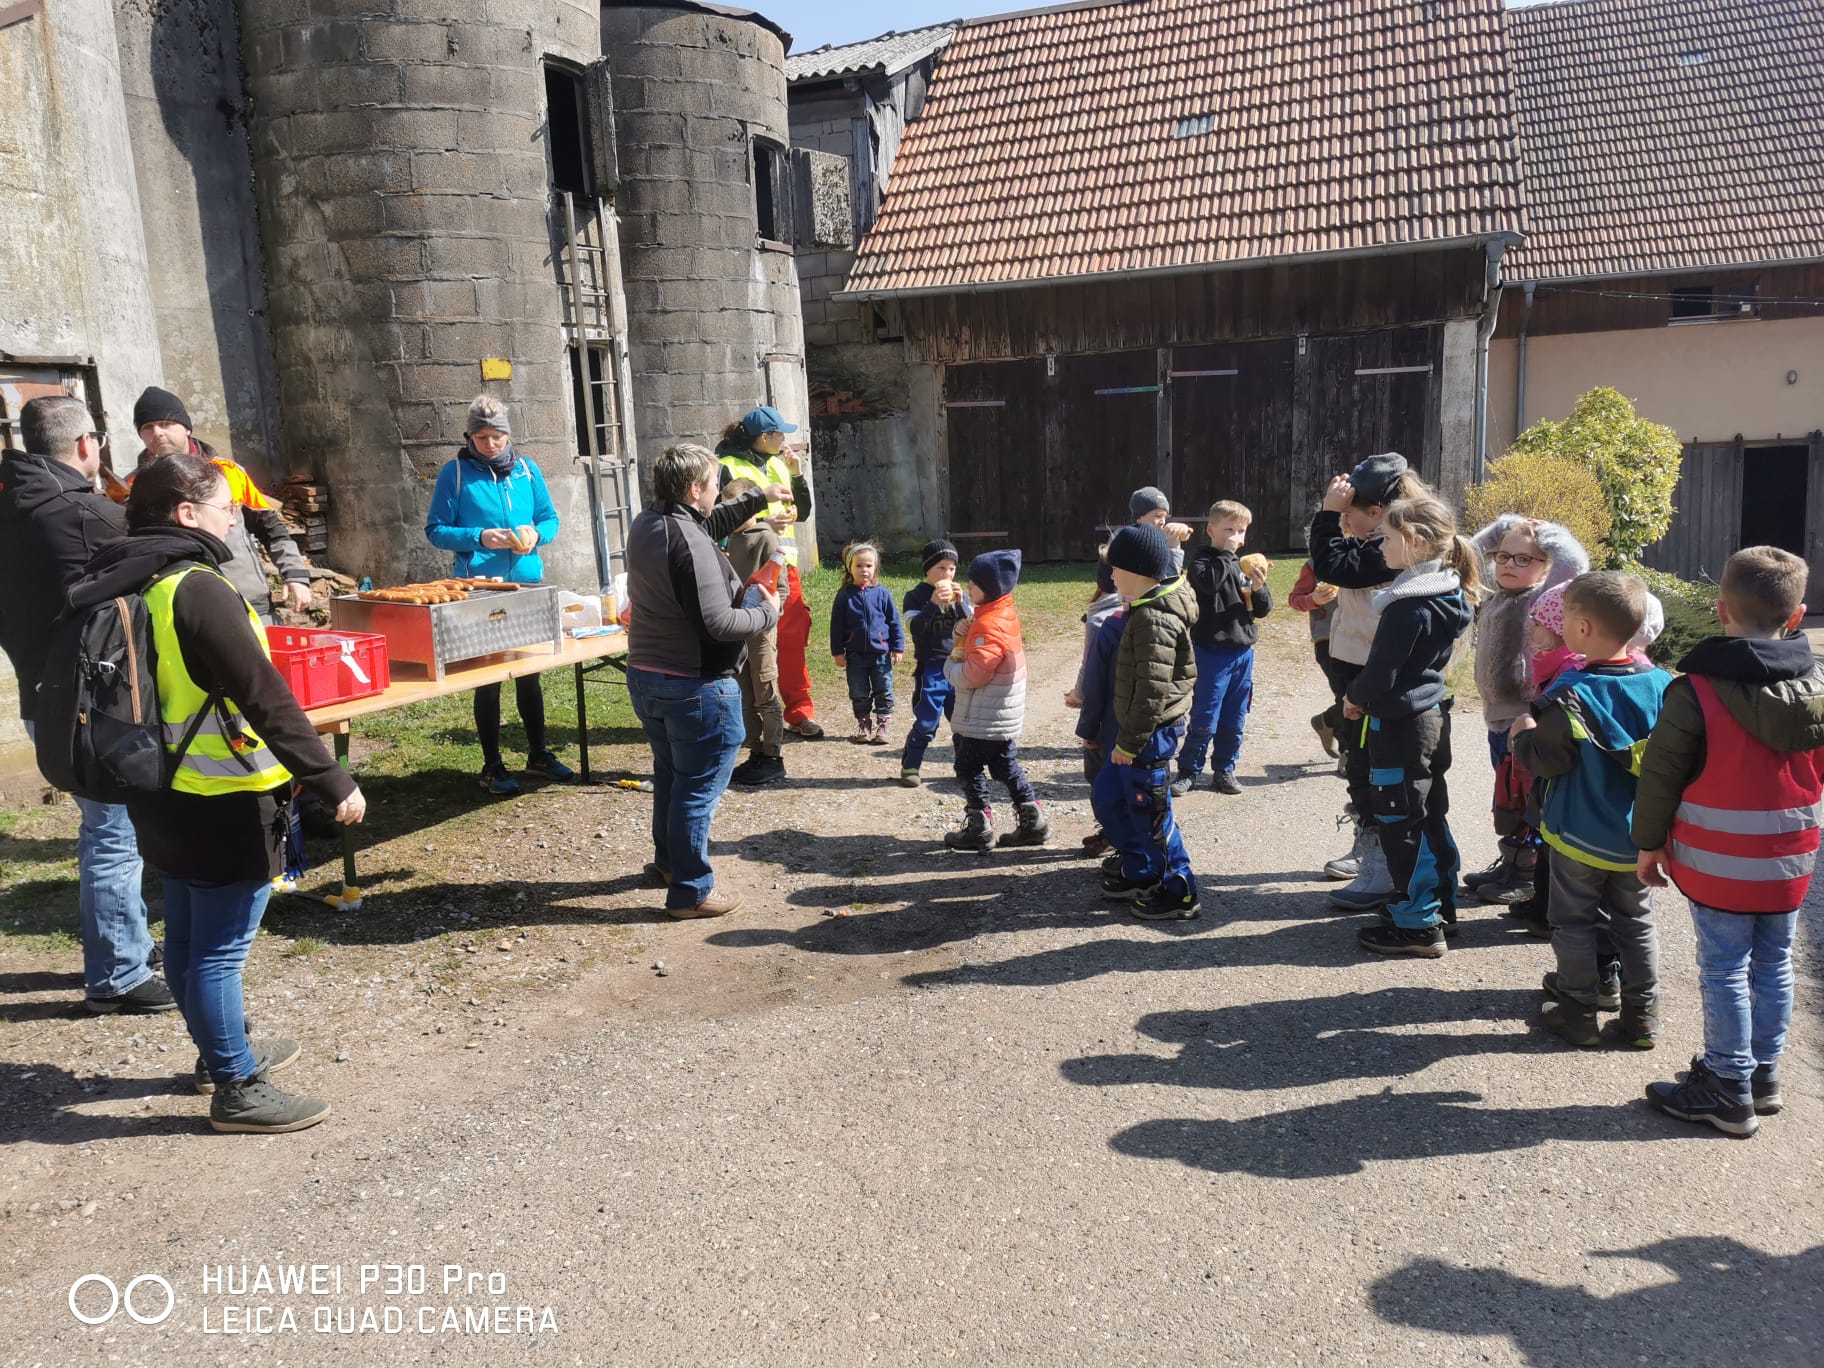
(1327,297)
(1707,521)
(1601,306)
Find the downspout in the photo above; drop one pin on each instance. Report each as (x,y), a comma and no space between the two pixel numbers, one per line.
(1485,331)
(1526,317)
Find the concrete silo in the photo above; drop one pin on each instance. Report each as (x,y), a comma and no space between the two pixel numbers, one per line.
(406,163)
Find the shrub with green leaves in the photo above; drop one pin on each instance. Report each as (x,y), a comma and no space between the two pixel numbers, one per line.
(1634,460)
(1690,614)
(1545,485)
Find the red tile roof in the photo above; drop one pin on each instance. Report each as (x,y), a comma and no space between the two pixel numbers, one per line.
(1150,135)
(1666,135)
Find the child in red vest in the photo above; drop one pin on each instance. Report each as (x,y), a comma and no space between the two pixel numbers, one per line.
(1728,810)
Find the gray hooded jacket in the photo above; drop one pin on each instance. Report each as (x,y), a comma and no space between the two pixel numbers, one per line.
(1504,663)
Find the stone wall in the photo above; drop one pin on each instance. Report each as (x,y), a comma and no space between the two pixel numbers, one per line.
(715,323)
(185,103)
(403,193)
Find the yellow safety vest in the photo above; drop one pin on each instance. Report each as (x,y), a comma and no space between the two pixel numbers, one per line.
(226,755)
(775,471)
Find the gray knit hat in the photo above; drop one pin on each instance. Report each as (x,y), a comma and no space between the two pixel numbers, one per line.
(487,412)
(1144,500)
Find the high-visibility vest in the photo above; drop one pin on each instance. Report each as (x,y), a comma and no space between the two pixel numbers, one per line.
(774,472)
(226,755)
(1745,837)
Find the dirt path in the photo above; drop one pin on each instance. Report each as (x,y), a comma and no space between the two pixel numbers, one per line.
(912,1105)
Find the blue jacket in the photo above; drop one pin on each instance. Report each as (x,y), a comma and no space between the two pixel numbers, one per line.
(470,498)
(1588,813)
(1096,719)
(865,622)
(934,629)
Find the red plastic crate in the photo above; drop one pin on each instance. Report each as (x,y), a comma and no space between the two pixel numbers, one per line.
(325,667)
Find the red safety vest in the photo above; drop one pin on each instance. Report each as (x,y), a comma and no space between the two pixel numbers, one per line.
(1745,837)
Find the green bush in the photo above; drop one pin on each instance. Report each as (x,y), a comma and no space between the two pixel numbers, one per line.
(1690,613)
(1544,485)
(1635,461)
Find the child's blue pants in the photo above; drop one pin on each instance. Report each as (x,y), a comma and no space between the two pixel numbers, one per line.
(1134,805)
(1219,708)
(933,699)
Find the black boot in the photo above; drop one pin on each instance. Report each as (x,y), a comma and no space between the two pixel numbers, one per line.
(977,832)
(1033,828)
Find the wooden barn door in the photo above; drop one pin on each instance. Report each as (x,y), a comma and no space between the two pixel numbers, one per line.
(994,421)
(1367,393)
(1231,437)
(1707,516)
(1102,445)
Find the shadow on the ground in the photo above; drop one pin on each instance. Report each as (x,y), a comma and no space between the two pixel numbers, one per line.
(44,1104)
(1304,1042)
(1767,1308)
(1333,1139)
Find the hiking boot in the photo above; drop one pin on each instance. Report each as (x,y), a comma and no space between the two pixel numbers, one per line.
(882,725)
(864,732)
(717,904)
(1572,1022)
(1531,916)
(1095,844)
(156,960)
(1608,984)
(253,1106)
(497,782)
(550,766)
(908,778)
(976,832)
(1606,1000)
(1347,867)
(269,1056)
(1492,874)
(1703,1097)
(1032,830)
(1373,885)
(1169,901)
(142,999)
(1427,942)
(1325,736)
(757,771)
(1223,781)
(1636,1026)
(655,875)
(1111,864)
(1514,883)
(1123,889)
(1183,784)
(1765,1089)
(808,729)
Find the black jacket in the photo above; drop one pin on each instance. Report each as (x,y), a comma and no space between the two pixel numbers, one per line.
(1343,561)
(1423,613)
(237,837)
(1226,612)
(52,523)
(683,590)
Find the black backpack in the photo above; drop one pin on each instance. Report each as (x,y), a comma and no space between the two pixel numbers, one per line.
(99,735)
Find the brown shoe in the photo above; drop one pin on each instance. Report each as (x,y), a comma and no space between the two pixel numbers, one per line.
(717,904)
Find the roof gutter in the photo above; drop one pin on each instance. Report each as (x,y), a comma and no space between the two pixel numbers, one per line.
(1547,282)
(1503,239)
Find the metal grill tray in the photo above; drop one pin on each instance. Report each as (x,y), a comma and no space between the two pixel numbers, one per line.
(437,635)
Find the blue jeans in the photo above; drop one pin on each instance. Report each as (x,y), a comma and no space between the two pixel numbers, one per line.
(208,929)
(933,699)
(1744,974)
(1219,708)
(694,727)
(870,686)
(115,941)
(1133,804)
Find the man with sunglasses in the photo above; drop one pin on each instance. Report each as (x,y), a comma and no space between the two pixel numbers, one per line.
(164,426)
(52,523)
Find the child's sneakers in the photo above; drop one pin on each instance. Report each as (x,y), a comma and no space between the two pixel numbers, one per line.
(1508,880)
(878,737)
(1172,900)
(1320,723)
(864,732)
(1033,828)
(976,833)
(1118,886)
(1703,1097)
(1637,1027)
(1765,1089)
(1608,991)
(1183,784)
(1223,781)
(1427,942)
(1572,1022)
(908,778)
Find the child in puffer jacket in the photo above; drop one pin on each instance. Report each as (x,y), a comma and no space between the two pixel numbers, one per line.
(987,666)
(1522,558)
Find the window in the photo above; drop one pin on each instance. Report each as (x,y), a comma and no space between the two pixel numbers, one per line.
(1712,303)
(772,192)
(567,132)
(1194,126)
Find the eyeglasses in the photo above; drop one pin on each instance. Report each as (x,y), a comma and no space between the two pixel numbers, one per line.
(1519,562)
(230,508)
(99,438)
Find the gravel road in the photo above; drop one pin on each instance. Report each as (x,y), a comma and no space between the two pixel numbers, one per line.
(915,1107)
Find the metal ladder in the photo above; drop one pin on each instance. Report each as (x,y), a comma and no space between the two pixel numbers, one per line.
(595,326)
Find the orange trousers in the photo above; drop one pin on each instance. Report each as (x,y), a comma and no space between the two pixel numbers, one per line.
(794,639)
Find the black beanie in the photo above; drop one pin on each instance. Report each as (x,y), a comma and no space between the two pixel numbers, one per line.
(160,406)
(1141,549)
(938,550)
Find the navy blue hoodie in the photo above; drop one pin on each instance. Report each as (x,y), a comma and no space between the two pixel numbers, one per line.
(933,629)
(1423,612)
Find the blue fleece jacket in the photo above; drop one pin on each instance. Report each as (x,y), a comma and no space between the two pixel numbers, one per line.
(934,629)
(865,622)
(1096,719)
(470,498)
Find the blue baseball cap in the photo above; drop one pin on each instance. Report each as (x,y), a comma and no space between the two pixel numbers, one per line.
(764,419)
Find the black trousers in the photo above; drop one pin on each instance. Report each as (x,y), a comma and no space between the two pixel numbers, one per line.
(1341,675)
(1409,759)
(531,697)
(977,760)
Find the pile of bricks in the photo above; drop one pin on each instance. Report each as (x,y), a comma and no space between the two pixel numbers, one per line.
(306,505)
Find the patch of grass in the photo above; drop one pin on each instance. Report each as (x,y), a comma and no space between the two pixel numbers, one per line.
(304,947)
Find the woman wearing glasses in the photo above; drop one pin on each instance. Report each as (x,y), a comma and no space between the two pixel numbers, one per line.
(1526,558)
(217,834)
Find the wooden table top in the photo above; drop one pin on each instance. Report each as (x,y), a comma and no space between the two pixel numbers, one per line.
(472,674)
